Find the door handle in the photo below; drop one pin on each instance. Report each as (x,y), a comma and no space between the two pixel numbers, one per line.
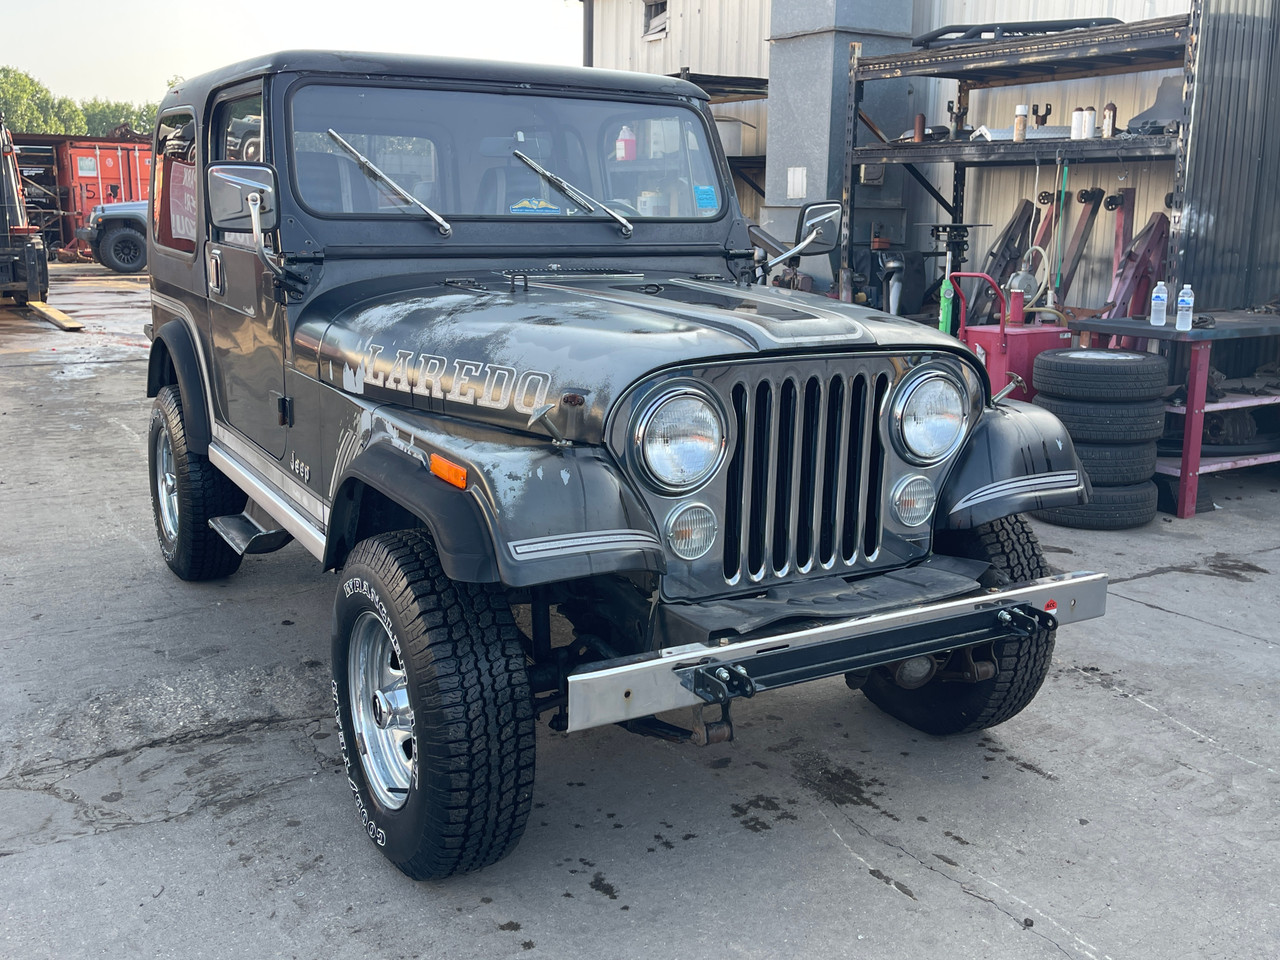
(217,279)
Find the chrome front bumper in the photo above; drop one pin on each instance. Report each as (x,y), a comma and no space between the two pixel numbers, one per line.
(638,687)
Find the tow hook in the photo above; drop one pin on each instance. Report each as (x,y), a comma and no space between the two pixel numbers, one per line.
(721,682)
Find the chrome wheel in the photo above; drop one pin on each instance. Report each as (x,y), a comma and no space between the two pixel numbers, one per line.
(166,486)
(380,712)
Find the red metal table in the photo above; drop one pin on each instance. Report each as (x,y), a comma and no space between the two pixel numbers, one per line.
(1228,325)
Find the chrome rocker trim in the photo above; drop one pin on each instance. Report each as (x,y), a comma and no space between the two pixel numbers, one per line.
(642,687)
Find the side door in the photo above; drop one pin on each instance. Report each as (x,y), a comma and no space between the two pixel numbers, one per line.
(247,328)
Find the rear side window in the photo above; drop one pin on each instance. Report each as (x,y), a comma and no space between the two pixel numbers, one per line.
(175,198)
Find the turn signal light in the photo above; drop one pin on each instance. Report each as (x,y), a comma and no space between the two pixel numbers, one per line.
(448,471)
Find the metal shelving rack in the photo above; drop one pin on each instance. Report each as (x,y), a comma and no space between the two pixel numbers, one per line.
(1161,44)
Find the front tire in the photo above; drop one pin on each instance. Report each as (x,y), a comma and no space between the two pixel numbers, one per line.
(434,709)
(186,492)
(941,708)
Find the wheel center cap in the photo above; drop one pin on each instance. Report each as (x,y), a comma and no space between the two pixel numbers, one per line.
(382,710)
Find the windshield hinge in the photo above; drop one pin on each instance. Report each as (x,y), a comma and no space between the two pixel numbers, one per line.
(289,287)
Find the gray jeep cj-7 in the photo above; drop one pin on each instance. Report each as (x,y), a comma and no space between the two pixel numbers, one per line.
(485,338)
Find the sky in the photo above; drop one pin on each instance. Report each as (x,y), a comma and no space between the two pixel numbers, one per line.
(130,54)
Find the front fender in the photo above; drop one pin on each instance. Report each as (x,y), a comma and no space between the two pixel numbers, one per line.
(531,513)
(1018,458)
(456,525)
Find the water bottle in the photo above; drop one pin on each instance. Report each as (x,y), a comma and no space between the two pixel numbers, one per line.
(1159,304)
(1186,306)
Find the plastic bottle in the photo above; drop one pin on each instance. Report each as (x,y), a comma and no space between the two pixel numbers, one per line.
(625,146)
(1020,123)
(1186,306)
(1159,304)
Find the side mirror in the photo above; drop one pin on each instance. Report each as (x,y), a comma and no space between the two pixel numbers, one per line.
(824,218)
(242,199)
(229,187)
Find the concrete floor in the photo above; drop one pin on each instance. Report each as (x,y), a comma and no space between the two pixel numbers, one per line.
(170,783)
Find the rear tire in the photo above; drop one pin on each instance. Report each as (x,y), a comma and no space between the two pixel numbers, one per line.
(187,491)
(123,249)
(939,708)
(434,709)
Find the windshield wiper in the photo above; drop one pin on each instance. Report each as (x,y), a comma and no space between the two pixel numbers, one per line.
(367,167)
(573,193)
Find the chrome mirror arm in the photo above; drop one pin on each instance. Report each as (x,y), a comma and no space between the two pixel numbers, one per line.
(254,200)
(817,231)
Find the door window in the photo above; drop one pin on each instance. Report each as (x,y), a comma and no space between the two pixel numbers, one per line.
(238,135)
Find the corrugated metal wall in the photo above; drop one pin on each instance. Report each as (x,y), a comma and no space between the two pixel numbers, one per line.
(724,37)
(1227,238)
(993,193)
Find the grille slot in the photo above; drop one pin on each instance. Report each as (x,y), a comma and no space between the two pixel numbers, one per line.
(805,480)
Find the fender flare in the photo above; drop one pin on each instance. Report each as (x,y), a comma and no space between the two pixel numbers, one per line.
(453,518)
(497,530)
(173,344)
(1018,458)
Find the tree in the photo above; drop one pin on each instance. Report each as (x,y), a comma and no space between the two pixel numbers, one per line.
(29,106)
(103,116)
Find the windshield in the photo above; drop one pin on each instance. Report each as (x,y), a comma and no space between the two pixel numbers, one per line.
(455,151)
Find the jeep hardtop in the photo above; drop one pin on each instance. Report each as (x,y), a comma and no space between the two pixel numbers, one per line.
(486,337)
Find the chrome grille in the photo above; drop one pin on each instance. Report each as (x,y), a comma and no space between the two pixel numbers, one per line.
(805,481)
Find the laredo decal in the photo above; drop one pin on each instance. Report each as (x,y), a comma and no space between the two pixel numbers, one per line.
(491,385)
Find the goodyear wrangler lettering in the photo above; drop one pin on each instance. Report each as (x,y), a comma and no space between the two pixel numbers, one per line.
(492,385)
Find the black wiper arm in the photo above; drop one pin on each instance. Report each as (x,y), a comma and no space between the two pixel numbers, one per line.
(573,193)
(372,172)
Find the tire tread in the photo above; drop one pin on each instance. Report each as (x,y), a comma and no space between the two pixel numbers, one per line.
(478,733)
(1071,374)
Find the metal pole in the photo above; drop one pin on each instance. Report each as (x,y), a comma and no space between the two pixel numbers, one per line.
(588,32)
(852,105)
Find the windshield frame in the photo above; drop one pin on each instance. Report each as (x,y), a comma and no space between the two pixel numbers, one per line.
(694,107)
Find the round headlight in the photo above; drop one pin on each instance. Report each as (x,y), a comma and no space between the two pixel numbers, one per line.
(681,441)
(931,415)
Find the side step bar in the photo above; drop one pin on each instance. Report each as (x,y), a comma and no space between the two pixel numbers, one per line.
(268,500)
(251,532)
(634,687)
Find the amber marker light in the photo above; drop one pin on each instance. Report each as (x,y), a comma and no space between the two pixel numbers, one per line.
(448,471)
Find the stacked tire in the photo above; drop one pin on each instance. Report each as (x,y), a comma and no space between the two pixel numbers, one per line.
(1112,404)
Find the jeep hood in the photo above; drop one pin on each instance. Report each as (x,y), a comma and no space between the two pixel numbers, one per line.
(485,351)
